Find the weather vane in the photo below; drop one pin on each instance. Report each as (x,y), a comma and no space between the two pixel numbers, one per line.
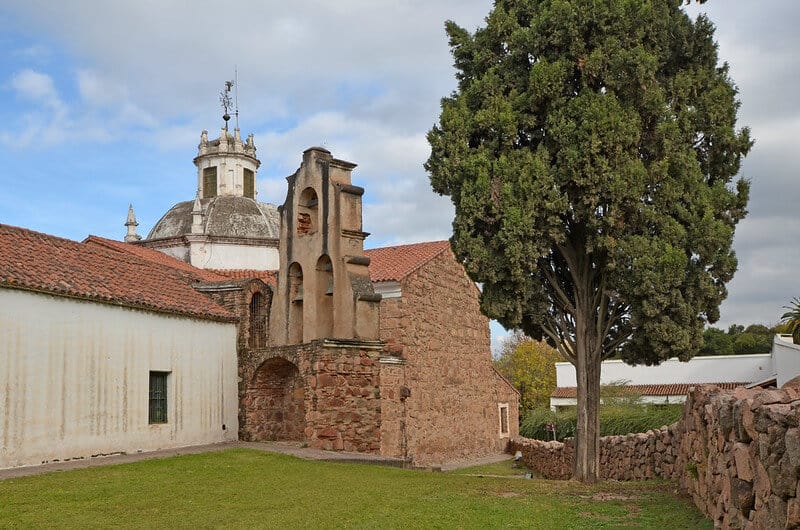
(225,100)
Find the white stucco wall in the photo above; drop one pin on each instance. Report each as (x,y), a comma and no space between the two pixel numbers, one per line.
(705,369)
(74,379)
(207,255)
(786,355)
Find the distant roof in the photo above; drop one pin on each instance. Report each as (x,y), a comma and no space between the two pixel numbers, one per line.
(39,262)
(155,256)
(397,262)
(649,390)
(268,277)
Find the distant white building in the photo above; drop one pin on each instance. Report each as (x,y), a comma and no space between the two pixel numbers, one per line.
(669,382)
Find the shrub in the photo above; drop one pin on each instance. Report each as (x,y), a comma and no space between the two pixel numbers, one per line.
(614,419)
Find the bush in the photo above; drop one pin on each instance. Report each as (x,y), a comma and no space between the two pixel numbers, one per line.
(614,419)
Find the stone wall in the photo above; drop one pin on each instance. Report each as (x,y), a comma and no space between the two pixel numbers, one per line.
(735,452)
(337,382)
(452,411)
(739,456)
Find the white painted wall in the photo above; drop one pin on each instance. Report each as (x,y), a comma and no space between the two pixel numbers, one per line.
(705,369)
(206,255)
(74,379)
(786,355)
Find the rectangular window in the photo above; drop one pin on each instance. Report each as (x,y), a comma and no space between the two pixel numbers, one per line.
(249,184)
(158,397)
(503,419)
(209,182)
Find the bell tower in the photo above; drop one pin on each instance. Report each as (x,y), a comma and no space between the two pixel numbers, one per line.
(227,166)
(324,288)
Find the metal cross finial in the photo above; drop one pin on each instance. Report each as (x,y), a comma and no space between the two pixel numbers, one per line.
(225,100)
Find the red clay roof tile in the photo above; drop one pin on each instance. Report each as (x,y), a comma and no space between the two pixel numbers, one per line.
(155,256)
(397,262)
(674,389)
(268,277)
(39,262)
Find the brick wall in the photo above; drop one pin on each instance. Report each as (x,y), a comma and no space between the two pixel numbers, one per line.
(452,410)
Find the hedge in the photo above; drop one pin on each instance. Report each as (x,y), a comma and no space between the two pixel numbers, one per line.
(614,419)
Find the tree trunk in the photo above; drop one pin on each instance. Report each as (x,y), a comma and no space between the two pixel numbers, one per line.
(587,440)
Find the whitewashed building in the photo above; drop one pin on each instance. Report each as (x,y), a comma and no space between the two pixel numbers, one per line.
(106,353)
(669,382)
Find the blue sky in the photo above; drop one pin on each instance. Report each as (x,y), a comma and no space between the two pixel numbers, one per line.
(102,105)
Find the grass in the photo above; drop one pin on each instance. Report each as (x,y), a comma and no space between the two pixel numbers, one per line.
(506,468)
(245,488)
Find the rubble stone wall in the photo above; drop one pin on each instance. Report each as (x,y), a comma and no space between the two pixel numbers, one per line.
(735,452)
(335,387)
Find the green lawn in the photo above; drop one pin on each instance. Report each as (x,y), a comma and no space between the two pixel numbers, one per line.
(246,488)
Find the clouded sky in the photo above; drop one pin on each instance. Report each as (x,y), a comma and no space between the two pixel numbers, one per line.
(102,104)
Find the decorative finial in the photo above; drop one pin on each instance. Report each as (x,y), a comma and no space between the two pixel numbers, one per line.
(225,100)
(131,224)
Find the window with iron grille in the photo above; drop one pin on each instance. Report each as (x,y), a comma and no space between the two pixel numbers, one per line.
(258,328)
(158,397)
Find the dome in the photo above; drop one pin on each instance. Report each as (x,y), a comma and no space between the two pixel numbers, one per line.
(223,216)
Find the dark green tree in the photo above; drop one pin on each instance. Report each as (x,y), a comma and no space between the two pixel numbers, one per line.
(589,150)
(792,319)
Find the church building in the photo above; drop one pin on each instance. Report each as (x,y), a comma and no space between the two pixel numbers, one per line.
(234,318)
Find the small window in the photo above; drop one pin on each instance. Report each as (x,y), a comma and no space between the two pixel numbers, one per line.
(209,182)
(503,419)
(249,184)
(158,397)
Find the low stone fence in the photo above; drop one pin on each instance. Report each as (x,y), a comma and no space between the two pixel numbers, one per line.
(735,452)
(630,457)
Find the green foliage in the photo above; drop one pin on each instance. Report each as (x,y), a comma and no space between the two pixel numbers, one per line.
(590,151)
(251,489)
(614,419)
(755,338)
(791,319)
(530,366)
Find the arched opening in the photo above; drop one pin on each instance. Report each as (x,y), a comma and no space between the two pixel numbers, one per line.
(307,212)
(258,322)
(324,297)
(275,402)
(295,303)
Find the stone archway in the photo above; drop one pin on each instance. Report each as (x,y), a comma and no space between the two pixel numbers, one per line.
(275,402)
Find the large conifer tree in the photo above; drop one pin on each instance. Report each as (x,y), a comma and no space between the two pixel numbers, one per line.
(590,151)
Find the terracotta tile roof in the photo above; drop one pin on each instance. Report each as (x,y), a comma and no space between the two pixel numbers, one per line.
(40,262)
(155,256)
(268,277)
(396,263)
(674,389)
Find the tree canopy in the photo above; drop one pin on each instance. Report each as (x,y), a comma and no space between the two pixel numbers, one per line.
(590,150)
(530,365)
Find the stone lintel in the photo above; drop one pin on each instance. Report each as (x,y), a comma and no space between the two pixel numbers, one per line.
(355,234)
(217,287)
(392,360)
(351,189)
(344,164)
(353,343)
(359,260)
(370,297)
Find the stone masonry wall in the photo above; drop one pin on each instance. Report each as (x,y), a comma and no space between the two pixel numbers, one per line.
(735,452)
(452,411)
(340,393)
(739,456)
